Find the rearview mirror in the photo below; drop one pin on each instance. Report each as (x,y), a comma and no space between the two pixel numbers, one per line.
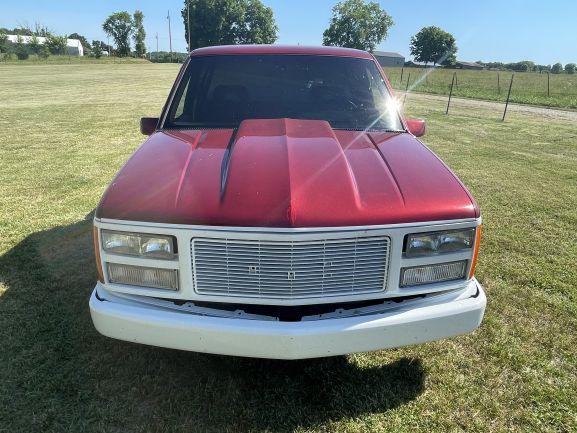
(416,127)
(148,125)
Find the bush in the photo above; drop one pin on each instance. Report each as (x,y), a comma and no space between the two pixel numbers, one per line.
(34,45)
(43,52)
(570,68)
(22,52)
(56,44)
(3,42)
(21,49)
(165,57)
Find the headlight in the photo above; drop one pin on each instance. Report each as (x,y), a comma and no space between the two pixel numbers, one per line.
(138,244)
(424,244)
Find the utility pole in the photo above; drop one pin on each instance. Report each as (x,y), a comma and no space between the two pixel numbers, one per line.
(188,23)
(157,43)
(169,36)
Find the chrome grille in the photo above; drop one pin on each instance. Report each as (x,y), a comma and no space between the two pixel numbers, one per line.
(290,269)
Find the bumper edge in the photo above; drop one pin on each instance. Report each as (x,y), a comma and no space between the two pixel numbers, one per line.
(288,340)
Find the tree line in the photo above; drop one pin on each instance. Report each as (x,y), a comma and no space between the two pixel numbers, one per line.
(356,24)
(528,66)
(359,24)
(53,45)
(121,26)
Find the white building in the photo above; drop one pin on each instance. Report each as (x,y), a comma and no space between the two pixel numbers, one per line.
(73,46)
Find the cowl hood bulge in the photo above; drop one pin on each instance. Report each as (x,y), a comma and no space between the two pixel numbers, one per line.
(284,173)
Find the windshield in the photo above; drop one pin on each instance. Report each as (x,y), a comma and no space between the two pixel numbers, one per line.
(222,91)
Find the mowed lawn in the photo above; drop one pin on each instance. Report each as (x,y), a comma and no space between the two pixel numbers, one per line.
(66,129)
(528,87)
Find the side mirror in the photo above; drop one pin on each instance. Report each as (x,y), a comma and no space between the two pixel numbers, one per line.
(148,125)
(416,127)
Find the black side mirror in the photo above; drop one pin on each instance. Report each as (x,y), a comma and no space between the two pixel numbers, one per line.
(148,125)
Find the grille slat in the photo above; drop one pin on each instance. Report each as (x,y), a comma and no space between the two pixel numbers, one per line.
(290,269)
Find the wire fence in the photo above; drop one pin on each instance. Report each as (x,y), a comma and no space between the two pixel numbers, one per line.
(551,90)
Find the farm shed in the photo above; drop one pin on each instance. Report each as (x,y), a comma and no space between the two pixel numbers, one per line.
(386,58)
(469,65)
(73,46)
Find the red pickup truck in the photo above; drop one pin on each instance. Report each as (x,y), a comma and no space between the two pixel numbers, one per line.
(283,208)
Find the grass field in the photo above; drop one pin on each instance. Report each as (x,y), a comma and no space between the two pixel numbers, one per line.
(66,129)
(528,87)
(61,60)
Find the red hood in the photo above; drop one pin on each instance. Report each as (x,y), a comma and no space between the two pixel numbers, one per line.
(285,173)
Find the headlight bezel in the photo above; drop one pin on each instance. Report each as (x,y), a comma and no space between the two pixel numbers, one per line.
(139,242)
(436,243)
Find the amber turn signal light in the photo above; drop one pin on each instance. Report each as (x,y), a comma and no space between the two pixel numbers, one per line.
(476,250)
(97,254)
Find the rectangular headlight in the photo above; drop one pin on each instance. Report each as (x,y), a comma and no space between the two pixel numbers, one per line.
(143,276)
(138,244)
(437,273)
(426,244)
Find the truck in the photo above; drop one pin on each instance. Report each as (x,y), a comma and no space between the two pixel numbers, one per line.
(283,207)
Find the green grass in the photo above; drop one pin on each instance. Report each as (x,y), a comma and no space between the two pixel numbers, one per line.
(66,129)
(528,87)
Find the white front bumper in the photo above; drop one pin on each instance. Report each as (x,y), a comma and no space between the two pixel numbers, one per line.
(408,322)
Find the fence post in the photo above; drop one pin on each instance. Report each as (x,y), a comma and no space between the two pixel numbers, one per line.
(451,92)
(548,85)
(498,84)
(407,88)
(402,70)
(456,80)
(508,96)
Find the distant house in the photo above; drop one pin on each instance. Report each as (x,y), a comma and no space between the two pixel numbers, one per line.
(73,46)
(469,65)
(388,59)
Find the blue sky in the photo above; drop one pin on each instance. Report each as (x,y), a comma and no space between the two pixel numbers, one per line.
(503,30)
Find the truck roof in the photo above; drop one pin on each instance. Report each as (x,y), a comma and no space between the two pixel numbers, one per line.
(280,49)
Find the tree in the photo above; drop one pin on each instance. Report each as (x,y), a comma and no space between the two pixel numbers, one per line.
(97,49)
(225,22)
(557,68)
(41,30)
(120,26)
(434,45)
(56,44)
(35,47)
(139,34)
(523,66)
(43,51)
(21,50)
(34,44)
(356,24)
(3,42)
(83,41)
(570,68)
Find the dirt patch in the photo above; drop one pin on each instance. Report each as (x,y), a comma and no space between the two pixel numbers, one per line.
(498,107)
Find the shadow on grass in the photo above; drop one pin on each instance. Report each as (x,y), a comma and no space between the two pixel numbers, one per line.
(57,373)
